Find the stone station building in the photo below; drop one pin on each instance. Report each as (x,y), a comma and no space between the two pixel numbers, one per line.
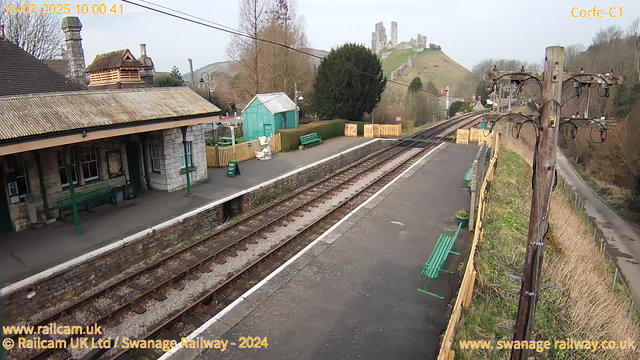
(116,138)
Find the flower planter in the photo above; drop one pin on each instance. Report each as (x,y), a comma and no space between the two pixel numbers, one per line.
(463,220)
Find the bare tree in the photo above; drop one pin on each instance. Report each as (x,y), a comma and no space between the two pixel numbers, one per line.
(265,67)
(247,51)
(287,67)
(634,28)
(533,67)
(608,35)
(633,32)
(571,53)
(481,68)
(39,35)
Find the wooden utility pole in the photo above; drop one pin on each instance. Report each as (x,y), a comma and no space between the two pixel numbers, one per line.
(544,172)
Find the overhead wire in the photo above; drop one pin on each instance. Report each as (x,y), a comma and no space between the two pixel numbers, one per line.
(236,32)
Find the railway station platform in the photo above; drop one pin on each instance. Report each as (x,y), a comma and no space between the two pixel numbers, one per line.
(28,252)
(352,293)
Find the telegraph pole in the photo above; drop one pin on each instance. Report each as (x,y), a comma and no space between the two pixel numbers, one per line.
(544,158)
(544,172)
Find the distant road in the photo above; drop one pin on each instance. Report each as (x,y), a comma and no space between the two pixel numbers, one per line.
(622,237)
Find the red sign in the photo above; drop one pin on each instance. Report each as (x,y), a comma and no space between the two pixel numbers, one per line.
(398,118)
(443,90)
(223,117)
(488,89)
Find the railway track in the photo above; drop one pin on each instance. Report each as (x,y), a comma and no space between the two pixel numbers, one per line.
(178,293)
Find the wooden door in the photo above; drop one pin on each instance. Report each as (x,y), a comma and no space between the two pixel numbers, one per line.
(133,162)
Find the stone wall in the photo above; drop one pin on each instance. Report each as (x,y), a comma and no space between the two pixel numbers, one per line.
(171,176)
(52,181)
(173,147)
(97,271)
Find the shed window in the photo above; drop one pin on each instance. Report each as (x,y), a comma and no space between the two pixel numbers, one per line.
(64,180)
(89,162)
(189,156)
(155,157)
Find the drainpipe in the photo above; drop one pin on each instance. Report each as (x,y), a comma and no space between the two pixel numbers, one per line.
(186,158)
(74,205)
(145,160)
(43,188)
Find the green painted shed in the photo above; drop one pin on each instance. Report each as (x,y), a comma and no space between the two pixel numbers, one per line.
(267,113)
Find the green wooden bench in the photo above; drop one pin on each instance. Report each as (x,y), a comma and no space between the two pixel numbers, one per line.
(86,199)
(310,139)
(225,141)
(441,251)
(466,180)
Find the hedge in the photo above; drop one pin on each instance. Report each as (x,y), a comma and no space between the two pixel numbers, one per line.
(326,129)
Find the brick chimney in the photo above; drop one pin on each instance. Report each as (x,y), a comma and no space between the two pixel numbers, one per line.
(74,54)
(149,71)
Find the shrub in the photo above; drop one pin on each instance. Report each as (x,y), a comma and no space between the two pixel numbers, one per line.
(326,129)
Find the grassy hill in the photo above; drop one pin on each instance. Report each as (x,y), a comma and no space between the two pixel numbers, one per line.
(429,65)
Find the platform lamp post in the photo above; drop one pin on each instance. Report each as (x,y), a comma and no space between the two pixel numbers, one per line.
(297,96)
(186,157)
(208,83)
(70,170)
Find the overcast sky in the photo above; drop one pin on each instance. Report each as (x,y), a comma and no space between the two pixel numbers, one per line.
(467,30)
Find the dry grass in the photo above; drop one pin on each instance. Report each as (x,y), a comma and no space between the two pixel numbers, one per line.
(583,275)
(582,304)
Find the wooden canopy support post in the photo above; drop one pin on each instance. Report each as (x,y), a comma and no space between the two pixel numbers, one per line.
(186,156)
(74,205)
(43,187)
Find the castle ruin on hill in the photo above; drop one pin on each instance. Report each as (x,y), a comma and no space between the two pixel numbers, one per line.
(380,42)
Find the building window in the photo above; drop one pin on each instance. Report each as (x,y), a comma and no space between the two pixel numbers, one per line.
(64,180)
(155,157)
(21,180)
(89,163)
(189,156)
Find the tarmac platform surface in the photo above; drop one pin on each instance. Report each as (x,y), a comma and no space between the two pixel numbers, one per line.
(353,292)
(28,252)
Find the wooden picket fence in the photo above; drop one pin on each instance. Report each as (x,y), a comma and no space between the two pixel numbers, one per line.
(351,130)
(464,136)
(381,130)
(481,135)
(465,294)
(220,156)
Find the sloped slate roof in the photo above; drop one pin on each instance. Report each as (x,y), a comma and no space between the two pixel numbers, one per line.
(60,66)
(21,73)
(113,60)
(37,114)
(275,102)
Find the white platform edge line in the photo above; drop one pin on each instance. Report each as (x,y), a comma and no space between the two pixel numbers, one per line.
(257,286)
(9,289)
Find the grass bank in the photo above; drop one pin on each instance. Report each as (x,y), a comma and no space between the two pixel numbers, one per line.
(581,303)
